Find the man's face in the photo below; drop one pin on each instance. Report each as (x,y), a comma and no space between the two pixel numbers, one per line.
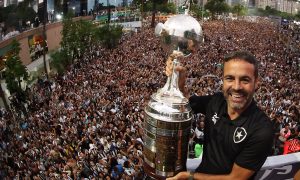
(239,84)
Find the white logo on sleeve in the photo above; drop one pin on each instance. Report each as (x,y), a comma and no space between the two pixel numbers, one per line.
(215,118)
(239,134)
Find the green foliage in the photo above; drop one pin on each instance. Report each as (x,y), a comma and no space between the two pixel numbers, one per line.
(268,11)
(85,29)
(76,36)
(198,11)
(297,16)
(148,6)
(6,11)
(67,34)
(15,71)
(161,6)
(109,35)
(271,11)
(239,9)
(10,18)
(167,8)
(217,7)
(24,12)
(286,15)
(60,60)
(136,2)
(16,15)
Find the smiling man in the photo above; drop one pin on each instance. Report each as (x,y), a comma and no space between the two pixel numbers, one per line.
(238,136)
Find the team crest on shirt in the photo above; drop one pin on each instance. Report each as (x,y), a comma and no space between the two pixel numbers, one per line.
(215,118)
(239,134)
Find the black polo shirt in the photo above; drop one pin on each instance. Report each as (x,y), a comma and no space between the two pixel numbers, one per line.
(246,141)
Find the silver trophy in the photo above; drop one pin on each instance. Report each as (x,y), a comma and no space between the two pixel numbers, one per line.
(168,115)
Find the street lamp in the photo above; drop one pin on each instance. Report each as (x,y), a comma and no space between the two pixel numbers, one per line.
(58,17)
(74,10)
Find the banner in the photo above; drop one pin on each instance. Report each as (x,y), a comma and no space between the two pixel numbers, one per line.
(279,173)
(282,167)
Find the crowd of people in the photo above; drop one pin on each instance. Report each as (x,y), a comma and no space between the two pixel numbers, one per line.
(88,122)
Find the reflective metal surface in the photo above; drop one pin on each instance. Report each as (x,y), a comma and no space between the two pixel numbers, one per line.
(168,116)
(180,33)
(167,128)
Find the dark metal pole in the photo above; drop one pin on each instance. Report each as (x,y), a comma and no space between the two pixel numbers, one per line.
(202,11)
(44,36)
(142,12)
(153,13)
(108,13)
(142,9)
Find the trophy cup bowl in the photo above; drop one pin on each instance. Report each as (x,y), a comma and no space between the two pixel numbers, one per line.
(180,33)
(168,115)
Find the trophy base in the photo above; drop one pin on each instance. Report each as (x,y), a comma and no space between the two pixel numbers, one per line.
(150,173)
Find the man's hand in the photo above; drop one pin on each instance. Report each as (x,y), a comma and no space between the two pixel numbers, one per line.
(180,69)
(180,176)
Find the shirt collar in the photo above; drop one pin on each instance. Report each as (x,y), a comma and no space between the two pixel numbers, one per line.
(240,120)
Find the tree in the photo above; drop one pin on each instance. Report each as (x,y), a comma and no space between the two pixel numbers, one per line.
(16,16)
(167,8)
(99,7)
(197,11)
(15,73)
(76,36)
(109,35)
(60,60)
(69,37)
(239,9)
(297,16)
(136,2)
(217,7)
(271,11)
(85,32)
(25,12)
(161,5)
(10,18)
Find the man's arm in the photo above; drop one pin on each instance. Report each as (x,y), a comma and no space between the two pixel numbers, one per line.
(237,173)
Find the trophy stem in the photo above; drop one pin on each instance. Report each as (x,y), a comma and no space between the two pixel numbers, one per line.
(171,88)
